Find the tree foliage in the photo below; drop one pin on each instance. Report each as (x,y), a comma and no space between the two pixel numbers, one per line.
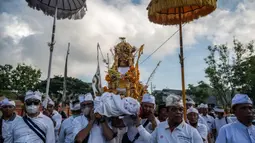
(226,69)
(200,92)
(74,86)
(18,79)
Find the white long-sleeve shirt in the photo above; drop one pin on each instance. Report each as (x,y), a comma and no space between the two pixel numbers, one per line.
(21,133)
(96,133)
(58,119)
(236,133)
(162,134)
(66,131)
(7,125)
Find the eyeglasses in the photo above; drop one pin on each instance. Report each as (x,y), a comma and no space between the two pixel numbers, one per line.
(7,106)
(34,102)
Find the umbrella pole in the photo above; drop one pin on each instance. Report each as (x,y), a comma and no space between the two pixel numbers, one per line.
(182,66)
(51,45)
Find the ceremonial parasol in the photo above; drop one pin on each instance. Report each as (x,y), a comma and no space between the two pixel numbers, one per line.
(173,12)
(59,9)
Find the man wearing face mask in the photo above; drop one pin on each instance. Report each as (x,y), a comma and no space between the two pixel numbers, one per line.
(90,127)
(147,122)
(66,130)
(34,127)
(9,117)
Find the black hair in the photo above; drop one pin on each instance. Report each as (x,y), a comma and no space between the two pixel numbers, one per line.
(161,107)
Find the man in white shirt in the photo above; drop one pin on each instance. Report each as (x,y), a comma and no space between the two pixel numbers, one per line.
(209,119)
(118,127)
(148,121)
(241,131)
(192,115)
(91,127)
(220,121)
(9,117)
(162,113)
(191,103)
(55,116)
(174,130)
(66,130)
(34,127)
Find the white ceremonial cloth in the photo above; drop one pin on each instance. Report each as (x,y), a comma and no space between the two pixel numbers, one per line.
(66,131)
(236,133)
(58,119)
(110,105)
(218,123)
(123,70)
(209,120)
(7,125)
(132,130)
(184,133)
(96,133)
(21,133)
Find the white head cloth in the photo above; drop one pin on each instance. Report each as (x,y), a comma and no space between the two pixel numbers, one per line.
(219,109)
(6,101)
(173,100)
(192,110)
(241,99)
(51,102)
(190,101)
(202,105)
(33,95)
(85,97)
(74,107)
(147,98)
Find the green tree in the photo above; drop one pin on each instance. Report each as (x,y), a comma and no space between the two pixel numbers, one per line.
(24,77)
(225,71)
(5,77)
(200,92)
(74,86)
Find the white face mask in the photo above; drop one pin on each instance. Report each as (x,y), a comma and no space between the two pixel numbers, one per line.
(32,109)
(86,110)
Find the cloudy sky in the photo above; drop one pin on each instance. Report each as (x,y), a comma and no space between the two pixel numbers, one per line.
(25,32)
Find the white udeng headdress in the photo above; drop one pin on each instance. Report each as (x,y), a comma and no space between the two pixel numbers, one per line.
(203,105)
(173,100)
(241,99)
(148,98)
(6,101)
(85,97)
(192,110)
(33,95)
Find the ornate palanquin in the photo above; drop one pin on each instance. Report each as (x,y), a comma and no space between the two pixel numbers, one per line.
(123,77)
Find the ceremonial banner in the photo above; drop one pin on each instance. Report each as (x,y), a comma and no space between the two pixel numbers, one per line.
(96,81)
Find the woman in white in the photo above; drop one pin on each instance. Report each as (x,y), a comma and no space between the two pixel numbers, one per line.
(66,130)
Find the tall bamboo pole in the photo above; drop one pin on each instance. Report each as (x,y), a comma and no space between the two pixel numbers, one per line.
(182,66)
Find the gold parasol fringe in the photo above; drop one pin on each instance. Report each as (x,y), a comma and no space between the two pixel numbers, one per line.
(157,10)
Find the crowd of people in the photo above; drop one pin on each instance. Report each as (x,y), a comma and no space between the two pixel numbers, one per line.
(203,124)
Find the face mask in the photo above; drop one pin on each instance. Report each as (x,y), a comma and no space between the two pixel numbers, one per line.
(86,111)
(32,109)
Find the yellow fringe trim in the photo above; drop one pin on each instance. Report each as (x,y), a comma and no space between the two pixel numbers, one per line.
(158,9)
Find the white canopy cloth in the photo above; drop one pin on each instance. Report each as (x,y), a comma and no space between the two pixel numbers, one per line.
(110,105)
(71,9)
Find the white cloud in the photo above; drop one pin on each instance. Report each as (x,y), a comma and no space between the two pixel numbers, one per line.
(104,23)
